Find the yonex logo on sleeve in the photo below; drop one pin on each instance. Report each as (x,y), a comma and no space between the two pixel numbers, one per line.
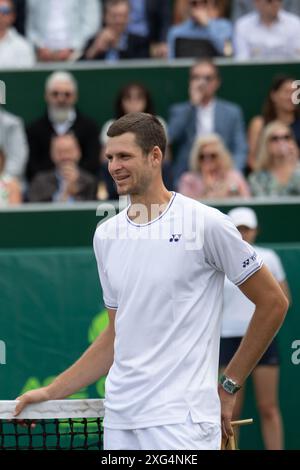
(248,260)
(175,237)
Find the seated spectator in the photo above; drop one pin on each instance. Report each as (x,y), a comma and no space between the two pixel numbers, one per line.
(181,10)
(277,169)
(278,106)
(148,26)
(267,33)
(10,189)
(61,117)
(114,42)
(202,23)
(211,174)
(204,114)
(13,143)
(242,7)
(15,51)
(60,29)
(132,98)
(66,182)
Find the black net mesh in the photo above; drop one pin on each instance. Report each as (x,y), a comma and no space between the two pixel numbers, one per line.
(52,434)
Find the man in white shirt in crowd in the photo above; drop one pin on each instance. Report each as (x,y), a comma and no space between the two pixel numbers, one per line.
(15,51)
(237,314)
(268,33)
(161,264)
(61,29)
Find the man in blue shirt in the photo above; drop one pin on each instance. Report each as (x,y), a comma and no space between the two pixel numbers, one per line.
(201,24)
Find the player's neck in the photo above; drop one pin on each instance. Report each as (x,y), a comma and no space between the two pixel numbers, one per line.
(154,201)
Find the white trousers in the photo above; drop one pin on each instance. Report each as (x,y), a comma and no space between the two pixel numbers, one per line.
(187,436)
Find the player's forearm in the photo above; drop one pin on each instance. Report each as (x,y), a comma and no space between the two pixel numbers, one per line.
(93,364)
(264,325)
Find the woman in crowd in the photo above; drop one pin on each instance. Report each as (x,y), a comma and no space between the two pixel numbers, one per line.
(277,168)
(279,106)
(132,98)
(211,174)
(10,190)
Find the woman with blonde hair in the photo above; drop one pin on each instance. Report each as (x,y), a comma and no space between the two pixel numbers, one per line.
(277,168)
(211,174)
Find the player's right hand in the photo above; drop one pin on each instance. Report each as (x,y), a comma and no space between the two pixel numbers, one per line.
(33,396)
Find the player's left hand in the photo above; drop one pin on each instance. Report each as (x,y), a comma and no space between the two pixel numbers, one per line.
(227,407)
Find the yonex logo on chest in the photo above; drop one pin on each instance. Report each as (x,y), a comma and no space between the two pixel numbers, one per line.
(175,237)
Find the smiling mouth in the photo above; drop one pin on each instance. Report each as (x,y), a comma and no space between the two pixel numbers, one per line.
(120,179)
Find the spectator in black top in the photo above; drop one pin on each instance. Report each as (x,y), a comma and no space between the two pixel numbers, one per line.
(66,182)
(60,118)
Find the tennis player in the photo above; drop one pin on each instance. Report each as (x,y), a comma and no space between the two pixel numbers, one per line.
(162,263)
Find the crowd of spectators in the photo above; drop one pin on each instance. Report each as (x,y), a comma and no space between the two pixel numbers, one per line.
(61,155)
(66,31)
(211,153)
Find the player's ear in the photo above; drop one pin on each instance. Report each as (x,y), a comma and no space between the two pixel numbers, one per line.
(156,156)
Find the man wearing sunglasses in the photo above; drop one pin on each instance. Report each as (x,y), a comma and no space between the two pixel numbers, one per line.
(205,114)
(202,24)
(15,51)
(268,33)
(62,117)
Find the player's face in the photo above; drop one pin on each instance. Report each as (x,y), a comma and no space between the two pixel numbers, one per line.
(130,169)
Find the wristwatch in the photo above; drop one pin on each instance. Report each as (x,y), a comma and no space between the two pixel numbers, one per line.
(229,385)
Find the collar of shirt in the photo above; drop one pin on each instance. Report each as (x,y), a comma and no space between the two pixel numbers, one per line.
(278,20)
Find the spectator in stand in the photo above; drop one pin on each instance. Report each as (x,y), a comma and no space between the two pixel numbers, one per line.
(62,117)
(267,33)
(13,143)
(278,106)
(202,23)
(181,10)
(242,7)
(134,97)
(15,51)
(211,174)
(66,182)
(204,114)
(60,29)
(114,42)
(148,26)
(10,189)
(237,314)
(277,169)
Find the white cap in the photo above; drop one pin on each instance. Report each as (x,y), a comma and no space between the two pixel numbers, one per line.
(243,216)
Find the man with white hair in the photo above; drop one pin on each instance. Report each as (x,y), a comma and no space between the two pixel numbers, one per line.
(61,117)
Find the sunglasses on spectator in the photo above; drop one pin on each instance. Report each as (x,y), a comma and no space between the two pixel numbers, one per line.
(5,10)
(278,138)
(272,1)
(206,78)
(65,94)
(196,3)
(208,156)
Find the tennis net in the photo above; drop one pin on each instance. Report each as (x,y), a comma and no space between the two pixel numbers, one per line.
(58,425)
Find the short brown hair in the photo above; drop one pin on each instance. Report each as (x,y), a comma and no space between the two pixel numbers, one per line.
(147,129)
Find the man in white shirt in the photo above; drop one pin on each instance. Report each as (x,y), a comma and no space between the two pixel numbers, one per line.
(15,51)
(267,33)
(237,314)
(161,264)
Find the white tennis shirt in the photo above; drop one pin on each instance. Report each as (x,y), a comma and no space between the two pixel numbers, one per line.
(238,309)
(165,279)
